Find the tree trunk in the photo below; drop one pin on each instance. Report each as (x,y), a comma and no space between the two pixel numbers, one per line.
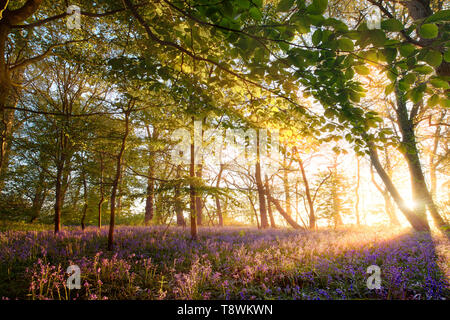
(418,222)
(287,193)
(432,162)
(198,198)
(192,191)
(85,198)
(254,210)
(287,217)
(149,204)
(178,202)
(260,187)
(117,179)
(38,200)
(421,195)
(102,193)
(7,91)
(218,207)
(58,198)
(312,215)
(269,207)
(358,178)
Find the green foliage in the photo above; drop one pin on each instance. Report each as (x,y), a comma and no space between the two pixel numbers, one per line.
(391,25)
(429,30)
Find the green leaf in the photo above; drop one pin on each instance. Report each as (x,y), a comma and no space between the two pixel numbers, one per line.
(391,25)
(316,37)
(433,58)
(285,5)
(447,56)
(389,89)
(349,73)
(423,69)
(377,37)
(317,6)
(416,93)
(439,83)
(362,70)
(243,4)
(355,96)
(406,50)
(433,100)
(346,44)
(390,54)
(429,31)
(410,78)
(255,13)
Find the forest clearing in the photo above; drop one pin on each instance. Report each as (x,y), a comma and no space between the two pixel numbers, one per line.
(232,263)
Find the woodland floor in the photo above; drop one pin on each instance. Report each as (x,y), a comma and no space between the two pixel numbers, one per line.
(229,263)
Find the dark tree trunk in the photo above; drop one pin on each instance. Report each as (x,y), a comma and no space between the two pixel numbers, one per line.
(58,198)
(117,179)
(7,90)
(39,197)
(85,198)
(102,193)
(149,204)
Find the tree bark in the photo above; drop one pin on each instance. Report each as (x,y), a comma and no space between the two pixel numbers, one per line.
(117,178)
(287,217)
(418,222)
(260,186)
(192,191)
(85,198)
(358,178)
(421,195)
(269,207)
(433,153)
(39,197)
(254,211)
(312,215)
(218,207)
(7,90)
(102,193)
(198,198)
(178,202)
(149,204)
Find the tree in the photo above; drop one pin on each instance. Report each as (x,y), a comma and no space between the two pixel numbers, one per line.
(127,111)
